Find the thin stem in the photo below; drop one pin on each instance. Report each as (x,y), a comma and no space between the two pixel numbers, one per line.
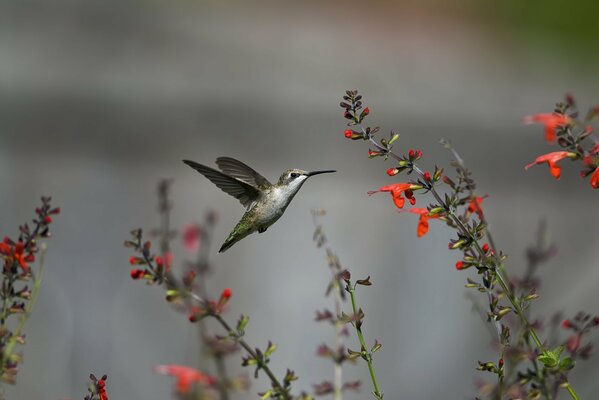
(222,376)
(570,390)
(338,379)
(366,355)
(261,364)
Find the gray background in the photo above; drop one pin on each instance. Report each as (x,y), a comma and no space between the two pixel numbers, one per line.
(100,99)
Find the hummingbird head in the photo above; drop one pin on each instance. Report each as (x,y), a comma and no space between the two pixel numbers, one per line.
(295,178)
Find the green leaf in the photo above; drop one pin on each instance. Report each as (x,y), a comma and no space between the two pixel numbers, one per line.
(567,364)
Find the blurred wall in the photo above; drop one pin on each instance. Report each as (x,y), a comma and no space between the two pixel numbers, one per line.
(100,99)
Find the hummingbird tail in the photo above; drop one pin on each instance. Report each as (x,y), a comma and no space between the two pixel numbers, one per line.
(233,238)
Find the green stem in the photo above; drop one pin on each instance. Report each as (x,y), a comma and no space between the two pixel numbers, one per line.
(570,390)
(366,355)
(273,379)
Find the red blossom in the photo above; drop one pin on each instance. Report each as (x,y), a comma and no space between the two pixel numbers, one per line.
(459,265)
(422,227)
(551,159)
(427,176)
(397,191)
(485,247)
(191,237)
(101,387)
(551,122)
(15,252)
(366,111)
(185,376)
(595,178)
(474,207)
(348,133)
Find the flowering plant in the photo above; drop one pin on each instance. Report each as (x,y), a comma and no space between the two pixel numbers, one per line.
(535,367)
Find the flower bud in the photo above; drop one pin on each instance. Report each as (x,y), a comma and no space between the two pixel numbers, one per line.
(567,324)
(137,273)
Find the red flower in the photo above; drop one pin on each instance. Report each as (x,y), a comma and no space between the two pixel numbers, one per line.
(101,387)
(185,376)
(595,179)
(191,237)
(397,190)
(551,159)
(15,252)
(475,206)
(348,133)
(422,228)
(551,121)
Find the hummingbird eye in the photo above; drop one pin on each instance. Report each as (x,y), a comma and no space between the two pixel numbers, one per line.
(294,175)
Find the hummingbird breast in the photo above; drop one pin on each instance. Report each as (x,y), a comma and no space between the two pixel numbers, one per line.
(271,207)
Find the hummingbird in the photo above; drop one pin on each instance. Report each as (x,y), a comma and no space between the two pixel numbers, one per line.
(265,202)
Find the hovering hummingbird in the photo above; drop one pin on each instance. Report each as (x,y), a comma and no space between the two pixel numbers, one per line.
(264,202)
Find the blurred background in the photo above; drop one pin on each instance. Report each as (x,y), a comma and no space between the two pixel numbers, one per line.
(100,99)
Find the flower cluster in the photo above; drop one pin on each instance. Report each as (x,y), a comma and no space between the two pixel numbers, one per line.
(456,203)
(17,256)
(571,133)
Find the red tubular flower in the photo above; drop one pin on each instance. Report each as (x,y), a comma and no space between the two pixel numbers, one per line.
(397,190)
(191,237)
(422,228)
(392,171)
(551,121)
(595,179)
(475,206)
(101,387)
(348,133)
(15,252)
(185,376)
(551,159)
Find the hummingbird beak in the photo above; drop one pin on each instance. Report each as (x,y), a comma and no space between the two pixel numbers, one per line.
(326,171)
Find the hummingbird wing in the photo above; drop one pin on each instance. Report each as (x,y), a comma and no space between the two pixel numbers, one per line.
(244,192)
(241,171)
